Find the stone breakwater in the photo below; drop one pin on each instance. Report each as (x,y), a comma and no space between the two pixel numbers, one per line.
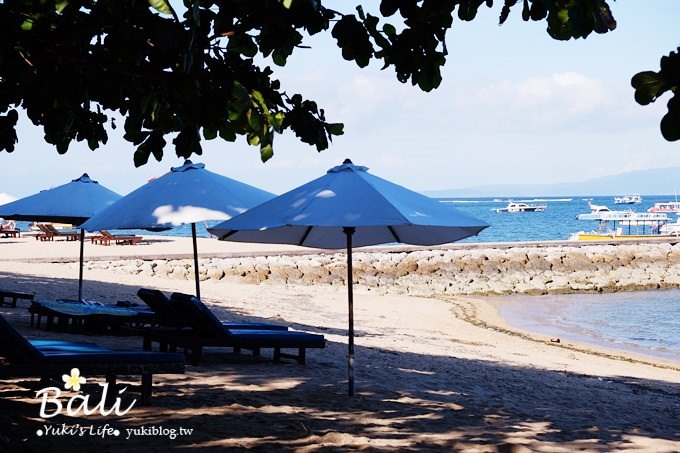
(457,270)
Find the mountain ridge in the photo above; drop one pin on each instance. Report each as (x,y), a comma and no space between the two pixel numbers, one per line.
(656,181)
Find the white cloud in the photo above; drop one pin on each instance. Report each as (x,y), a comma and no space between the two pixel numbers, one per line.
(569,92)
(552,101)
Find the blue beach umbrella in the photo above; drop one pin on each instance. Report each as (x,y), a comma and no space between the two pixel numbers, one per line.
(185,195)
(73,203)
(349,207)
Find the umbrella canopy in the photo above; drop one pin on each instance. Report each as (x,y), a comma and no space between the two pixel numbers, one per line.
(349,207)
(185,195)
(73,203)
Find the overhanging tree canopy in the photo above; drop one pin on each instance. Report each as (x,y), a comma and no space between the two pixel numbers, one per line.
(70,65)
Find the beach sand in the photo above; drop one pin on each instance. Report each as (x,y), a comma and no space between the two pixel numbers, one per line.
(432,374)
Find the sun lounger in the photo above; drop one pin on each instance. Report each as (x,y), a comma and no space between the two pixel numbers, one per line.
(72,315)
(45,234)
(53,358)
(49,232)
(10,229)
(9,298)
(13,233)
(168,316)
(106,238)
(208,331)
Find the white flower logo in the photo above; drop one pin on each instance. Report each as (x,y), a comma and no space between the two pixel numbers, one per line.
(74,380)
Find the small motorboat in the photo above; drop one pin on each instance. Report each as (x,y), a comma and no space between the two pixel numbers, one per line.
(514,206)
(628,199)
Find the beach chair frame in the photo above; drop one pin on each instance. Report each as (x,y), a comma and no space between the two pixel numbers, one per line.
(26,359)
(208,331)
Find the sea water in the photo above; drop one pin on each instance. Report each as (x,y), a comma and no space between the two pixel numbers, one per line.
(642,322)
(558,222)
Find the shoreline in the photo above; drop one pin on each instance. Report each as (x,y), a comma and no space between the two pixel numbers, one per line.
(130,259)
(433,374)
(491,318)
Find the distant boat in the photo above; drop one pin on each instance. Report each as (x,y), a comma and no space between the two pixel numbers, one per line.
(671,228)
(628,199)
(596,211)
(619,236)
(522,207)
(624,225)
(665,206)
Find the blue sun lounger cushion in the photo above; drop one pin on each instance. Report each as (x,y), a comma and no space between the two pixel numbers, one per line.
(169,316)
(208,330)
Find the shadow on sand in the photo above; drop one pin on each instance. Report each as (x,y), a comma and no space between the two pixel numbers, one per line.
(428,403)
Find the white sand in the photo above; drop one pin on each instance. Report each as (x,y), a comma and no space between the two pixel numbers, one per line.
(431,374)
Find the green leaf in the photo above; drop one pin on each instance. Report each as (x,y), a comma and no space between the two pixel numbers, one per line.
(162,6)
(227,132)
(280,58)
(353,39)
(467,10)
(276,120)
(389,30)
(648,86)
(266,152)
(335,128)
(253,139)
(209,133)
(141,157)
(389,7)
(670,123)
(60,5)
(526,12)
(259,100)
(27,25)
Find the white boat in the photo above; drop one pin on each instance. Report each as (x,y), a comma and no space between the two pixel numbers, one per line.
(514,206)
(628,218)
(665,206)
(622,225)
(618,235)
(628,199)
(595,211)
(672,227)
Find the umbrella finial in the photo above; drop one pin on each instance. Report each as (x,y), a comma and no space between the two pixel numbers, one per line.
(347,165)
(85,178)
(188,165)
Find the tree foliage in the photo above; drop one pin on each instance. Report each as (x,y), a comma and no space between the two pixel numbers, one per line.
(649,85)
(73,65)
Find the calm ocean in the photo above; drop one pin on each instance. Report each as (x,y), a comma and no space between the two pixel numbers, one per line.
(643,321)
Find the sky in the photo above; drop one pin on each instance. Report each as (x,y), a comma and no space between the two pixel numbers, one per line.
(515,107)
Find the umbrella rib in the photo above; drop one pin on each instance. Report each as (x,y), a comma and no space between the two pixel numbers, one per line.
(304,236)
(394,233)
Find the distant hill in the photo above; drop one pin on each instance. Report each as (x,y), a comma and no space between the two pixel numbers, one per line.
(658,181)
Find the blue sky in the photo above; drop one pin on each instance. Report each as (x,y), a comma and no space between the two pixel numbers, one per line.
(515,107)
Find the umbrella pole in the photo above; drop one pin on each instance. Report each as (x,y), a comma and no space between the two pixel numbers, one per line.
(198,285)
(80,276)
(350,299)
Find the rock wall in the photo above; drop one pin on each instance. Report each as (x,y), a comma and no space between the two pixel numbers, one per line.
(486,270)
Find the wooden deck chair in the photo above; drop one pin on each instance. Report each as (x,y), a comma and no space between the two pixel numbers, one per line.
(208,331)
(169,316)
(120,239)
(54,358)
(51,232)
